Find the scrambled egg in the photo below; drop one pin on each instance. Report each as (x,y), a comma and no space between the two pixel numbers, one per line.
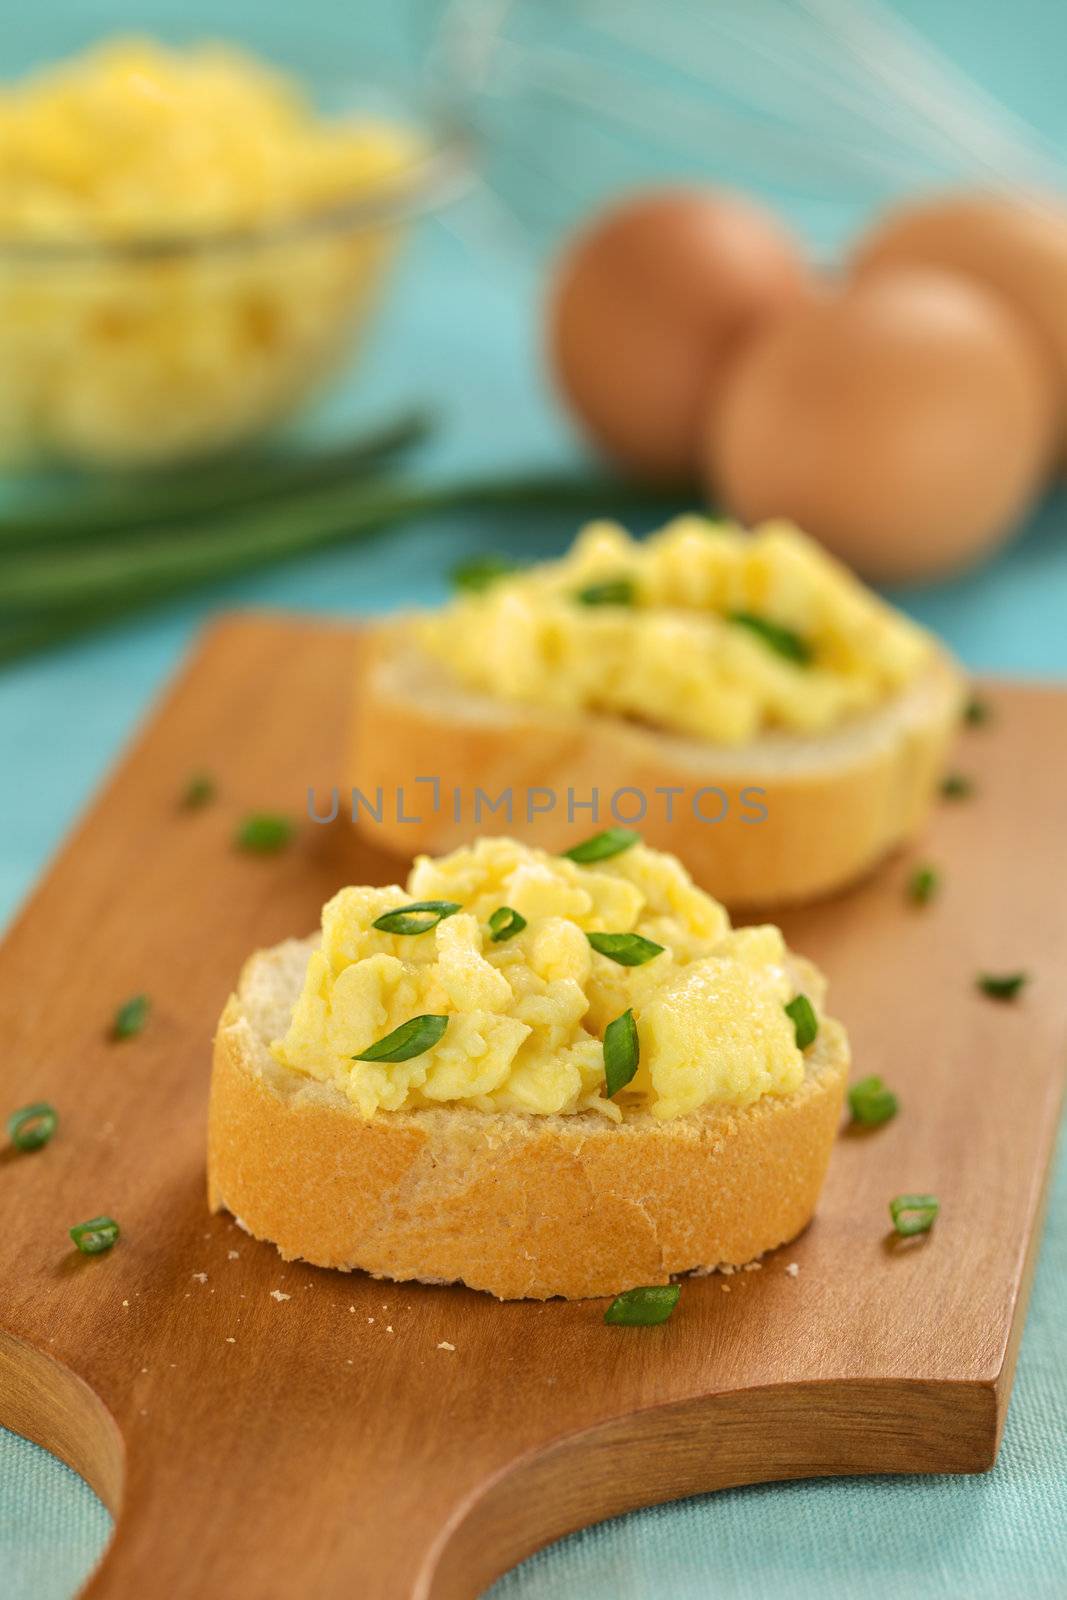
(527,1015)
(122,358)
(672,653)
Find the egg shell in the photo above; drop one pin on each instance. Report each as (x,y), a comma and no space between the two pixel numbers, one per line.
(646,307)
(1015,245)
(906,422)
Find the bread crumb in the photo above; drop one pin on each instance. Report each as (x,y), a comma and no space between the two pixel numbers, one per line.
(793,1269)
(444,1345)
(201,1277)
(231,1341)
(144,1369)
(233,1255)
(725,1287)
(752,1266)
(727,1270)
(389,1327)
(348,1361)
(276,1294)
(352,1308)
(126,1303)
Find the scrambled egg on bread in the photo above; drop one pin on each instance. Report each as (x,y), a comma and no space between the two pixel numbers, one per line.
(527,1014)
(650,630)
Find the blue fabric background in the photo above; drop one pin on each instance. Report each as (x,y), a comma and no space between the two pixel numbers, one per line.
(461,329)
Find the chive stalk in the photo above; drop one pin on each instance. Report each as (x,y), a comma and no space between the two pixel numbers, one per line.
(95,1236)
(913,1213)
(31,1127)
(131,1017)
(645,1307)
(628,949)
(602,846)
(418,917)
(412,1038)
(801,1013)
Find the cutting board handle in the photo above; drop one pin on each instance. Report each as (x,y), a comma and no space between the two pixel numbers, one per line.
(394,1526)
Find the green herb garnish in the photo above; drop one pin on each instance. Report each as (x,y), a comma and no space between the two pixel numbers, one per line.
(871,1103)
(622,1052)
(505,924)
(412,1038)
(419,917)
(1001,986)
(480,573)
(977,712)
(199,791)
(31,1127)
(95,1236)
(628,949)
(264,833)
(801,1013)
(923,885)
(644,1308)
(957,786)
(602,846)
(131,1017)
(913,1213)
(609,592)
(781,640)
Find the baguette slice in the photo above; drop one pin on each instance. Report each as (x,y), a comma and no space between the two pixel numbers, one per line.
(520,1205)
(834,804)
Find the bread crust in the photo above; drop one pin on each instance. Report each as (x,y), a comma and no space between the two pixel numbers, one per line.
(522,1206)
(834,804)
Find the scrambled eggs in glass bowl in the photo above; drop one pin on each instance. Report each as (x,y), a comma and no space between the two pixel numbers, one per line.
(188,247)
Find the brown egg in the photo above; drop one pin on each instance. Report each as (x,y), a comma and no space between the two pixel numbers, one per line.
(906,422)
(645,307)
(1014,245)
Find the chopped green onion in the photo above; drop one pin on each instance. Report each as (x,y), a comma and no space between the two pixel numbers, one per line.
(801,1013)
(412,1038)
(419,917)
(871,1103)
(505,924)
(131,1017)
(957,786)
(480,573)
(95,1236)
(264,833)
(199,791)
(602,846)
(923,885)
(977,712)
(781,640)
(644,1308)
(628,949)
(31,1127)
(1003,986)
(609,592)
(622,1052)
(913,1213)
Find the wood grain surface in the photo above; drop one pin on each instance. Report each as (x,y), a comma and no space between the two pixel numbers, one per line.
(264,1429)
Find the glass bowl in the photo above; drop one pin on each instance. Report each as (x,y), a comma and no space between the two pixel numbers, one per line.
(153,350)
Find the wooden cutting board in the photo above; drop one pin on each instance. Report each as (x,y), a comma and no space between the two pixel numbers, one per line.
(264,1429)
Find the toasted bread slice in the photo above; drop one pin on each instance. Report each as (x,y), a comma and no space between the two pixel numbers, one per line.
(521,1205)
(783,819)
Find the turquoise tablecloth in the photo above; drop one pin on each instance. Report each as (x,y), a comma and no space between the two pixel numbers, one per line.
(463,331)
